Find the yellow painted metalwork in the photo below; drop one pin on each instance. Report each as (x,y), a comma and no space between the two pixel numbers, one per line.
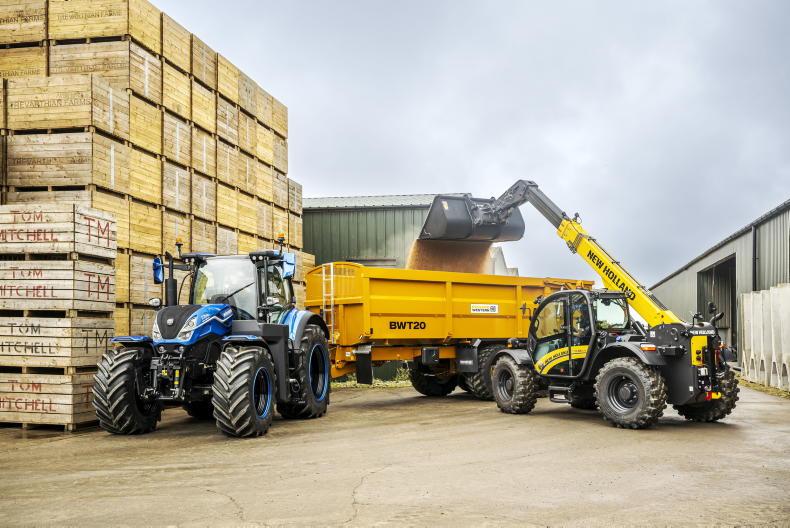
(698,343)
(559,356)
(614,276)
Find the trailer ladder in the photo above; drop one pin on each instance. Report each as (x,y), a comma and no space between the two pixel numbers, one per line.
(328,298)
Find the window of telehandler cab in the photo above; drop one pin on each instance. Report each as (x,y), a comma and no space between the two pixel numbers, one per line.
(611,314)
(550,328)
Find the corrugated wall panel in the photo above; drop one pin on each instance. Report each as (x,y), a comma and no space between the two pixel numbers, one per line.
(773,250)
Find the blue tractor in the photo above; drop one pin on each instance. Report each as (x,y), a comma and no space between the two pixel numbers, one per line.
(239,350)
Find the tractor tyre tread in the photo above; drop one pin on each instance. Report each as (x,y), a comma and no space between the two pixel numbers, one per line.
(650,378)
(480,381)
(306,407)
(714,410)
(525,387)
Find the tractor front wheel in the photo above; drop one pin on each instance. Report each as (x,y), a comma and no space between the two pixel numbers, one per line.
(515,386)
(630,394)
(117,397)
(244,391)
(713,410)
(312,373)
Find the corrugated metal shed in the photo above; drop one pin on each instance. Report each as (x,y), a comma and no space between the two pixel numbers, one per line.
(364,202)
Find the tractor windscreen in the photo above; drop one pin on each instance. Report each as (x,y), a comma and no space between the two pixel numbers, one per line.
(227,281)
(453,217)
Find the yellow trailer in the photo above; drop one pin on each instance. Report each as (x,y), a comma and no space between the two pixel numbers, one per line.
(447,325)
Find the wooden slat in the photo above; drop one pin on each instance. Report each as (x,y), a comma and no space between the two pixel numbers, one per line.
(294,196)
(122,278)
(204,236)
(247,244)
(204,152)
(248,92)
(176,43)
(265,144)
(145,176)
(176,227)
(23,62)
(141,278)
(279,118)
(227,79)
(227,121)
(204,107)
(264,220)
(176,91)
(23,21)
(145,73)
(295,231)
(121,318)
(248,133)
(145,24)
(145,125)
(145,228)
(227,206)
(204,63)
(53,342)
(248,213)
(265,182)
(176,188)
(204,197)
(227,241)
(177,140)
(247,175)
(141,321)
(279,222)
(227,163)
(118,207)
(46,399)
(280,154)
(280,189)
(264,104)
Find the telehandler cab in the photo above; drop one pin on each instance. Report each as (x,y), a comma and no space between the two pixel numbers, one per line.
(239,349)
(584,345)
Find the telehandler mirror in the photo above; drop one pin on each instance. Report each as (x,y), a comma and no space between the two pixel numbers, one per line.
(711,308)
(159,271)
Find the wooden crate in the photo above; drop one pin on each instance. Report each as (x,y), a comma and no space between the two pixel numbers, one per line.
(264,221)
(57,285)
(145,125)
(53,341)
(248,213)
(145,176)
(204,152)
(227,241)
(176,43)
(280,154)
(204,107)
(204,197)
(247,244)
(183,292)
(265,182)
(23,62)
(69,101)
(81,19)
(227,79)
(265,144)
(141,321)
(145,228)
(176,91)
(124,64)
(80,158)
(279,223)
(176,188)
(248,92)
(227,121)
(308,261)
(227,163)
(36,228)
(47,399)
(23,21)
(204,63)
(263,106)
(280,189)
(204,236)
(141,280)
(176,227)
(121,319)
(247,175)
(227,206)
(2,118)
(122,278)
(248,129)
(300,294)
(295,232)
(177,140)
(294,197)
(279,118)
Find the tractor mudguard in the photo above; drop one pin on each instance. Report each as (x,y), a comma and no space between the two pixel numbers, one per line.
(298,320)
(520,356)
(633,349)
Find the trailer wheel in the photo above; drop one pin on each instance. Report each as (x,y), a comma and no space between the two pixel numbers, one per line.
(244,391)
(116,394)
(515,387)
(480,381)
(312,373)
(200,410)
(713,410)
(464,385)
(630,394)
(433,383)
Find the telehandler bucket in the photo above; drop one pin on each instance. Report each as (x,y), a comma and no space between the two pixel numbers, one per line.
(452,218)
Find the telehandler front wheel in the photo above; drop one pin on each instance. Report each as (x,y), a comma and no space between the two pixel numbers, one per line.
(120,407)
(515,386)
(312,373)
(713,410)
(244,391)
(630,394)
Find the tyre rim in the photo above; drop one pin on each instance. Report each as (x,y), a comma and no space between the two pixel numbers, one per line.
(262,392)
(505,385)
(623,394)
(317,373)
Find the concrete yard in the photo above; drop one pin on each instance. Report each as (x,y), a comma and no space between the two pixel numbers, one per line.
(393,457)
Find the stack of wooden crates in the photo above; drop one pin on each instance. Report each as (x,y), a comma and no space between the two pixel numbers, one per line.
(57,296)
(115,106)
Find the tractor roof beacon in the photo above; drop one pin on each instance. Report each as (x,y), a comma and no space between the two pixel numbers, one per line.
(238,351)
(584,345)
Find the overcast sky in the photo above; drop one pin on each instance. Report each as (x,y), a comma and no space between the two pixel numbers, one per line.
(666,125)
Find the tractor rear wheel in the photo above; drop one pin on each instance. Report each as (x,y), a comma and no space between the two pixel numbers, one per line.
(244,391)
(480,381)
(713,410)
(119,405)
(630,394)
(312,373)
(430,382)
(515,386)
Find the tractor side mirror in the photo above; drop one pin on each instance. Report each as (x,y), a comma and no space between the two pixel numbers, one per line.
(159,271)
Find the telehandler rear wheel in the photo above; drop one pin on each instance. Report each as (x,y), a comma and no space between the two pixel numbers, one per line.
(433,383)
(630,394)
(244,391)
(515,386)
(313,374)
(713,410)
(116,395)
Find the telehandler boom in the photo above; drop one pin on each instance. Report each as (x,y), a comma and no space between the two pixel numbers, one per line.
(584,344)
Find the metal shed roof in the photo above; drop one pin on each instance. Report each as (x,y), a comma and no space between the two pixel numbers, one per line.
(364,202)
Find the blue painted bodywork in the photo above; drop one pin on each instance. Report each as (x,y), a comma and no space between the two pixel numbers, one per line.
(210,319)
(131,339)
